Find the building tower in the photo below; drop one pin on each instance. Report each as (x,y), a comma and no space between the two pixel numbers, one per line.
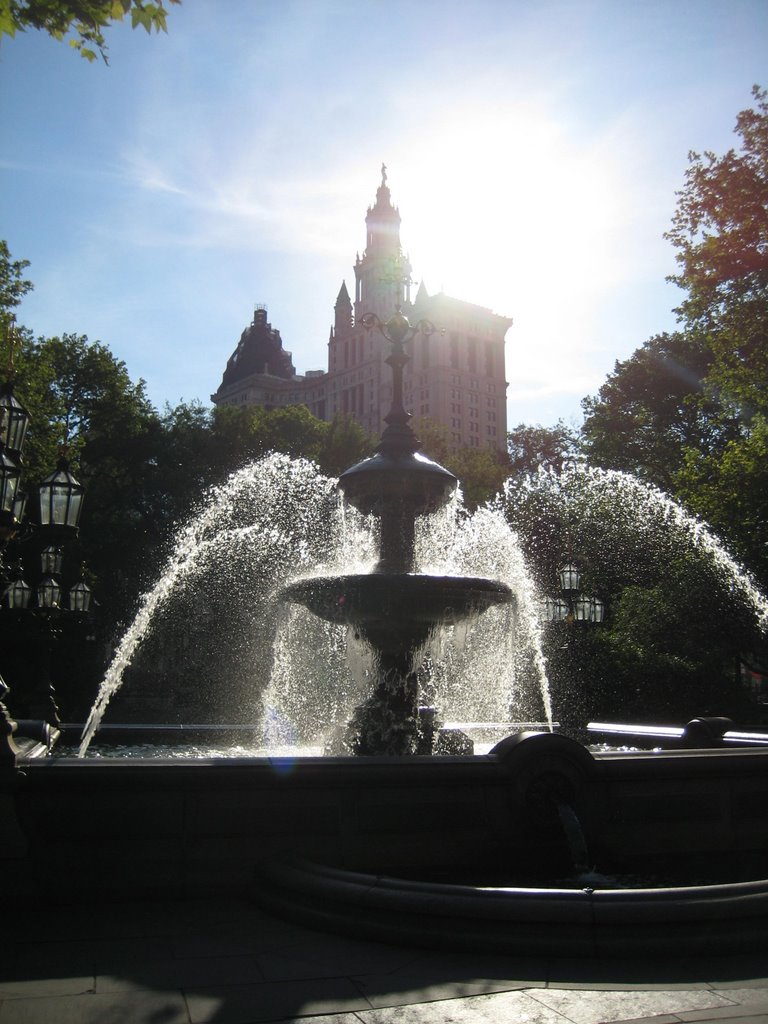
(456,377)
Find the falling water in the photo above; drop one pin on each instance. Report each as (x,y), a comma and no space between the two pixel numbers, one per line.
(626,521)
(270,520)
(489,669)
(280,518)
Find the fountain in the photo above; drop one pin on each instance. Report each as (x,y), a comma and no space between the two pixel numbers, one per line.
(614,853)
(393,608)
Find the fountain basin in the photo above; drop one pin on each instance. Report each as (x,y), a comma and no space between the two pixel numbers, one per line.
(408,479)
(572,922)
(75,829)
(403,608)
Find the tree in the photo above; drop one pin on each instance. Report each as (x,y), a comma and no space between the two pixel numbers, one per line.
(13,287)
(481,473)
(245,434)
(345,444)
(80,399)
(652,409)
(720,232)
(532,446)
(728,489)
(86,18)
(688,410)
(720,227)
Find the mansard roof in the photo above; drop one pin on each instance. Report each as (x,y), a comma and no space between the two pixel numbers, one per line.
(260,350)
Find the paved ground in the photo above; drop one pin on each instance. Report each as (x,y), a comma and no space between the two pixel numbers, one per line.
(227,962)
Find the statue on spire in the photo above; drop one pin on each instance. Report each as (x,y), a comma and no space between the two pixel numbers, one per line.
(383,175)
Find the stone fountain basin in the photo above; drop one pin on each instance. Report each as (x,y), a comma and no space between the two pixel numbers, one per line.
(399,599)
(572,922)
(378,835)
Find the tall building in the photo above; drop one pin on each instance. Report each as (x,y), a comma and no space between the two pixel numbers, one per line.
(455,377)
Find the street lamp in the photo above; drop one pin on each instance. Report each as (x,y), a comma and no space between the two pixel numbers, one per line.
(52,560)
(10,474)
(79,597)
(14,420)
(33,613)
(48,594)
(571,605)
(61,499)
(17,595)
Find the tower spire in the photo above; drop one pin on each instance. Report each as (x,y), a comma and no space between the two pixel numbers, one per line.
(382,276)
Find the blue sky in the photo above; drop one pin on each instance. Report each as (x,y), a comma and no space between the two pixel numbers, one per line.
(533,149)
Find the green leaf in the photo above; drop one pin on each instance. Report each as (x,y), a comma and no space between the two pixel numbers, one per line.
(7,23)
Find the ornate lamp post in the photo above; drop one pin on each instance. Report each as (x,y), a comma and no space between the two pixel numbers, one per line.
(570,646)
(34,610)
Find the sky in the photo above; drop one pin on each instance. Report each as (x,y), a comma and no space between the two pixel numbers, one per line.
(533,148)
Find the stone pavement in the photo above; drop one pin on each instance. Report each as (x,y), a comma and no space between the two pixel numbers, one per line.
(227,962)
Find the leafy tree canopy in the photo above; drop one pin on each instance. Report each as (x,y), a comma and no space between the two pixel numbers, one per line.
(79,397)
(720,227)
(86,19)
(728,489)
(720,232)
(652,408)
(687,410)
(679,612)
(531,447)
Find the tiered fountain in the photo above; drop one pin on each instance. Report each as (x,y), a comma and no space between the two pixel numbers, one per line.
(394,608)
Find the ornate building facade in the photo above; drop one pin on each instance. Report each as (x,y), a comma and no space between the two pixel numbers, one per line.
(455,377)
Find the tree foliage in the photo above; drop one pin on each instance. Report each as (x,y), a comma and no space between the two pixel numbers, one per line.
(13,286)
(653,408)
(687,411)
(80,399)
(85,19)
(533,447)
(720,228)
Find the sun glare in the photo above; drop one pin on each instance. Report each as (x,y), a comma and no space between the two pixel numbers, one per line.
(506,210)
